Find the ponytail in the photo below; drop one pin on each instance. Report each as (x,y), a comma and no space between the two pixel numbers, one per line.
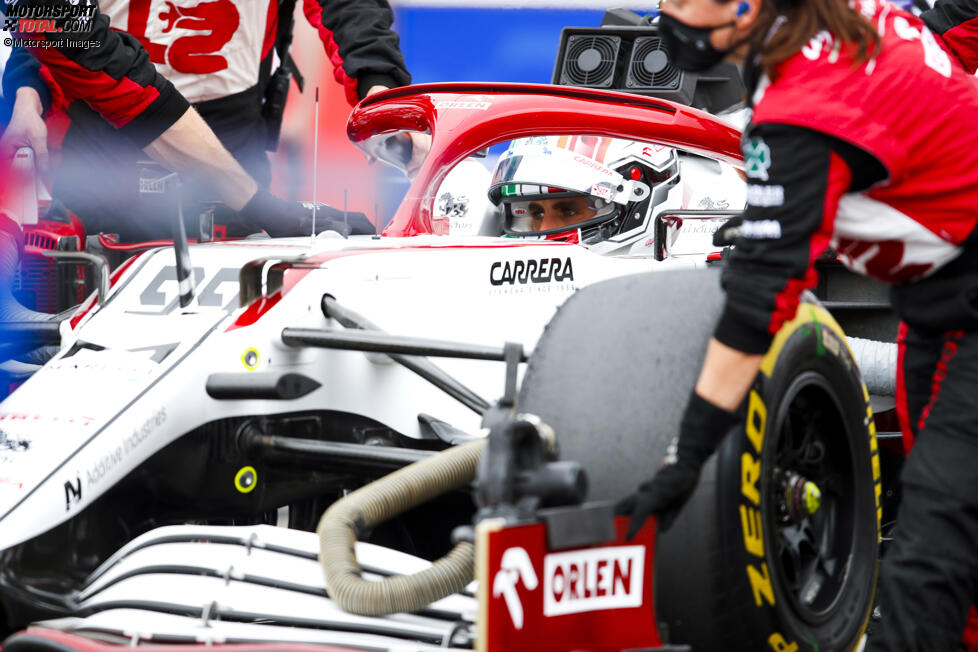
(806,18)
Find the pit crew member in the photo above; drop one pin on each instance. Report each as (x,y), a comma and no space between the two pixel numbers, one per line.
(600,192)
(861,138)
(224,74)
(956,22)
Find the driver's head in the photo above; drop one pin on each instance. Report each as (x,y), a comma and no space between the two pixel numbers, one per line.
(562,213)
(548,214)
(592,189)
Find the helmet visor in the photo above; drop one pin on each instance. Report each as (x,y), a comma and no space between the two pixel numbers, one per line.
(553,214)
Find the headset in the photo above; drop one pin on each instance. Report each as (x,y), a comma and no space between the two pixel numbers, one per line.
(743,8)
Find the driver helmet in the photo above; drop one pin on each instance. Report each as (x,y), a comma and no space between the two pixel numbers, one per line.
(597,191)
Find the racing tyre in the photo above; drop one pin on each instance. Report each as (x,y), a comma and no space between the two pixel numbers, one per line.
(777,548)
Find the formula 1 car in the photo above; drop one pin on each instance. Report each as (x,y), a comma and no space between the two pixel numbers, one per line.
(161,475)
(143,467)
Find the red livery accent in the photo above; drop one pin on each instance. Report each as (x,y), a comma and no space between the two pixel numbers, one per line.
(598,598)
(73,642)
(90,302)
(255,311)
(517,110)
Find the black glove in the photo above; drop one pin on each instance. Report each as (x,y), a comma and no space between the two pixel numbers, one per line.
(728,232)
(703,427)
(282,218)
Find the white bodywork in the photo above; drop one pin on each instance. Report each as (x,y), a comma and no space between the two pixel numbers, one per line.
(131,376)
(131,379)
(197,584)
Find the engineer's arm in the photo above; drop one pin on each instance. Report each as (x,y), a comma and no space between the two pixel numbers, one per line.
(112,73)
(956,21)
(191,148)
(34,93)
(364,50)
(795,181)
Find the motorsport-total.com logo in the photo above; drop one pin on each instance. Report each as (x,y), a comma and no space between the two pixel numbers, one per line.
(48,18)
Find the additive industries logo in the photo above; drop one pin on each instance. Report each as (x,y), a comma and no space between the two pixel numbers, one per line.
(8,443)
(593,580)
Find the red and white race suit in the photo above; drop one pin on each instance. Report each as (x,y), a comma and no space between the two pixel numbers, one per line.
(878,161)
(956,22)
(208,50)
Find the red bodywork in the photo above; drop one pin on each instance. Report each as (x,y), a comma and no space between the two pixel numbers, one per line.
(37,283)
(465,118)
(594,599)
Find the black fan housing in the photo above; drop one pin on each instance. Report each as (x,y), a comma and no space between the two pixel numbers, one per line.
(649,66)
(590,61)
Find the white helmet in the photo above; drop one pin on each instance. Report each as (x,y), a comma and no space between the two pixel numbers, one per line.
(609,189)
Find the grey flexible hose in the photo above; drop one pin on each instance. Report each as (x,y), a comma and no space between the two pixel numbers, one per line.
(877,362)
(379,501)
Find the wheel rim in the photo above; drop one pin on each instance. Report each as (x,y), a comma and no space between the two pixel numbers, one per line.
(813,551)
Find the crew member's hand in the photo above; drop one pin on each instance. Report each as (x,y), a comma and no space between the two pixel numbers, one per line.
(26,128)
(703,427)
(407,151)
(420,145)
(728,232)
(282,218)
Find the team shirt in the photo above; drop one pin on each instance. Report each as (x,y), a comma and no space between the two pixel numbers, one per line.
(876,160)
(151,56)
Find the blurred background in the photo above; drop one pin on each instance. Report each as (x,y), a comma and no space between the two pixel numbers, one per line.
(442,40)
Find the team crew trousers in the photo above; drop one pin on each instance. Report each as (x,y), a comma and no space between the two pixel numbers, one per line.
(930,573)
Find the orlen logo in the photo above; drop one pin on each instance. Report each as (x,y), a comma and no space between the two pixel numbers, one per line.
(591,580)
(463,105)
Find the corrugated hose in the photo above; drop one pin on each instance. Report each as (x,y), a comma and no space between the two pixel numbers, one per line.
(380,501)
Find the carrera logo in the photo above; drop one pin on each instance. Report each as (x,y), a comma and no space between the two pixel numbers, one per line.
(592,580)
(594,165)
(545,270)
(463,105)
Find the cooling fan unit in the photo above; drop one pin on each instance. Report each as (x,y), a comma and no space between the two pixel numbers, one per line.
(649,66)
(590,61)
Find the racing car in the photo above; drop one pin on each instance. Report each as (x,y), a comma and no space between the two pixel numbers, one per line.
(144,467)
(466,395)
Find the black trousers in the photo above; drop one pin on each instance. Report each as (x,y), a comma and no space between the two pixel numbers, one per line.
(929,575)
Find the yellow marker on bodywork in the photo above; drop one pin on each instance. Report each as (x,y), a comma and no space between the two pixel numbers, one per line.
(250,359)
(246,479)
